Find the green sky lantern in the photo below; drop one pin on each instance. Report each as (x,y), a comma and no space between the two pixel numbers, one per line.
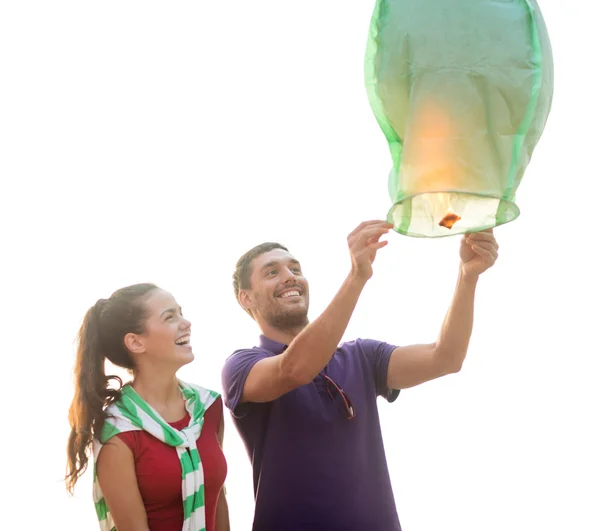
(462,90)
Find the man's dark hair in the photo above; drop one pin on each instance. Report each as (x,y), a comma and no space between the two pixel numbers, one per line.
(241,276)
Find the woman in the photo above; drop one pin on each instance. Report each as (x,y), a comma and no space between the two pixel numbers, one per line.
(145,434)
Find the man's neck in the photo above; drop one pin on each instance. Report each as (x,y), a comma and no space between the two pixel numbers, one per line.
(285,337)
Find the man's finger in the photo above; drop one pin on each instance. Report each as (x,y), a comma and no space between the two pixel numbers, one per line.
(488,256)
(375,232)
(481,236)
(488,246)
(370,223)
(378,245)
(369,230)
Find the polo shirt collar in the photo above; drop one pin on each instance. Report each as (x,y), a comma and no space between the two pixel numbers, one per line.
(272,346)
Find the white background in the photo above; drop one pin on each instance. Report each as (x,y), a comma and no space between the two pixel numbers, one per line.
(155,141)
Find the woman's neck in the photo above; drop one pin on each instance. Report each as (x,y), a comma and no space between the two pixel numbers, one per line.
(162,393)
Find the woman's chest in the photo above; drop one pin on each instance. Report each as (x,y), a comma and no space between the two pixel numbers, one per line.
(158,468)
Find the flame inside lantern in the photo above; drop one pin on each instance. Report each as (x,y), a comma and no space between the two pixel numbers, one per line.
(451,217)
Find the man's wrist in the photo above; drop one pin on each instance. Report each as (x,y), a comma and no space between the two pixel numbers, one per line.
(466,278)
(357,279)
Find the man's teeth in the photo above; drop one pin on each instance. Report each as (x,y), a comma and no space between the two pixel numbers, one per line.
(290,294)
(182,340)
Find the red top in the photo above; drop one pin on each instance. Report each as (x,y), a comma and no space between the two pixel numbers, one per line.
(159,473)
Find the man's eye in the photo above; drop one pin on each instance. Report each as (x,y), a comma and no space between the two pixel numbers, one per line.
(273,272)
(169,317)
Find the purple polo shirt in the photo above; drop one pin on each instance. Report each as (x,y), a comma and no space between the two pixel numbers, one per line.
(315,470)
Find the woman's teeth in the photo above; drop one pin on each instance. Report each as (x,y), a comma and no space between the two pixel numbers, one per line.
(183,340)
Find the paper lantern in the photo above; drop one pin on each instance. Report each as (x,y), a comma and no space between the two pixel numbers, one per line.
(462,90)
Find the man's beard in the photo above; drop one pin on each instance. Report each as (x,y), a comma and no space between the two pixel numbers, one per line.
(288,320)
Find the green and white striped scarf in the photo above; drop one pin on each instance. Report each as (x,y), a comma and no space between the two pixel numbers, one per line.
(131,413)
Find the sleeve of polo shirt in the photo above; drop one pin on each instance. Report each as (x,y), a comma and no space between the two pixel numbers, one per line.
(233,377)
(378,353)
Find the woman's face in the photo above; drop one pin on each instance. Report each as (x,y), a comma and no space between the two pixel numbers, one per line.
(166,338)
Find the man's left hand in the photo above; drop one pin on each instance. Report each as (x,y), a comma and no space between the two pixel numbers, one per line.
(478,252)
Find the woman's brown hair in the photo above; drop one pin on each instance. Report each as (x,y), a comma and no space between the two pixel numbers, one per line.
(101,337)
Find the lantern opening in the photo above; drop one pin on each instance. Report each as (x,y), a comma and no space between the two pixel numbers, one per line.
(439,214)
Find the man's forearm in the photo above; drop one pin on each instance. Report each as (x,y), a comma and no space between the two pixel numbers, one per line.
(312,348)
(453,341)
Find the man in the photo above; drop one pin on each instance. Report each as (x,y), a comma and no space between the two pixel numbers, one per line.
(305,406)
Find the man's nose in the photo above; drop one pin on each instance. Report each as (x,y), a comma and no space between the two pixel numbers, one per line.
(288,275)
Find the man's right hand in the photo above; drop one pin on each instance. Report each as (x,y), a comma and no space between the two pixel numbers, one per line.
(364,243)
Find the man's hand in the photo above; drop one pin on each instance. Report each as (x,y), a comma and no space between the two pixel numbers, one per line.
(478,252)
(364,243)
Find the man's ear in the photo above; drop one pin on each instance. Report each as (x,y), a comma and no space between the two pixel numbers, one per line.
(134,343)
(246,300)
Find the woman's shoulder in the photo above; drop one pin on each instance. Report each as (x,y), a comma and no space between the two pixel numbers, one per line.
(205,394)
(132,439)
(215,410)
